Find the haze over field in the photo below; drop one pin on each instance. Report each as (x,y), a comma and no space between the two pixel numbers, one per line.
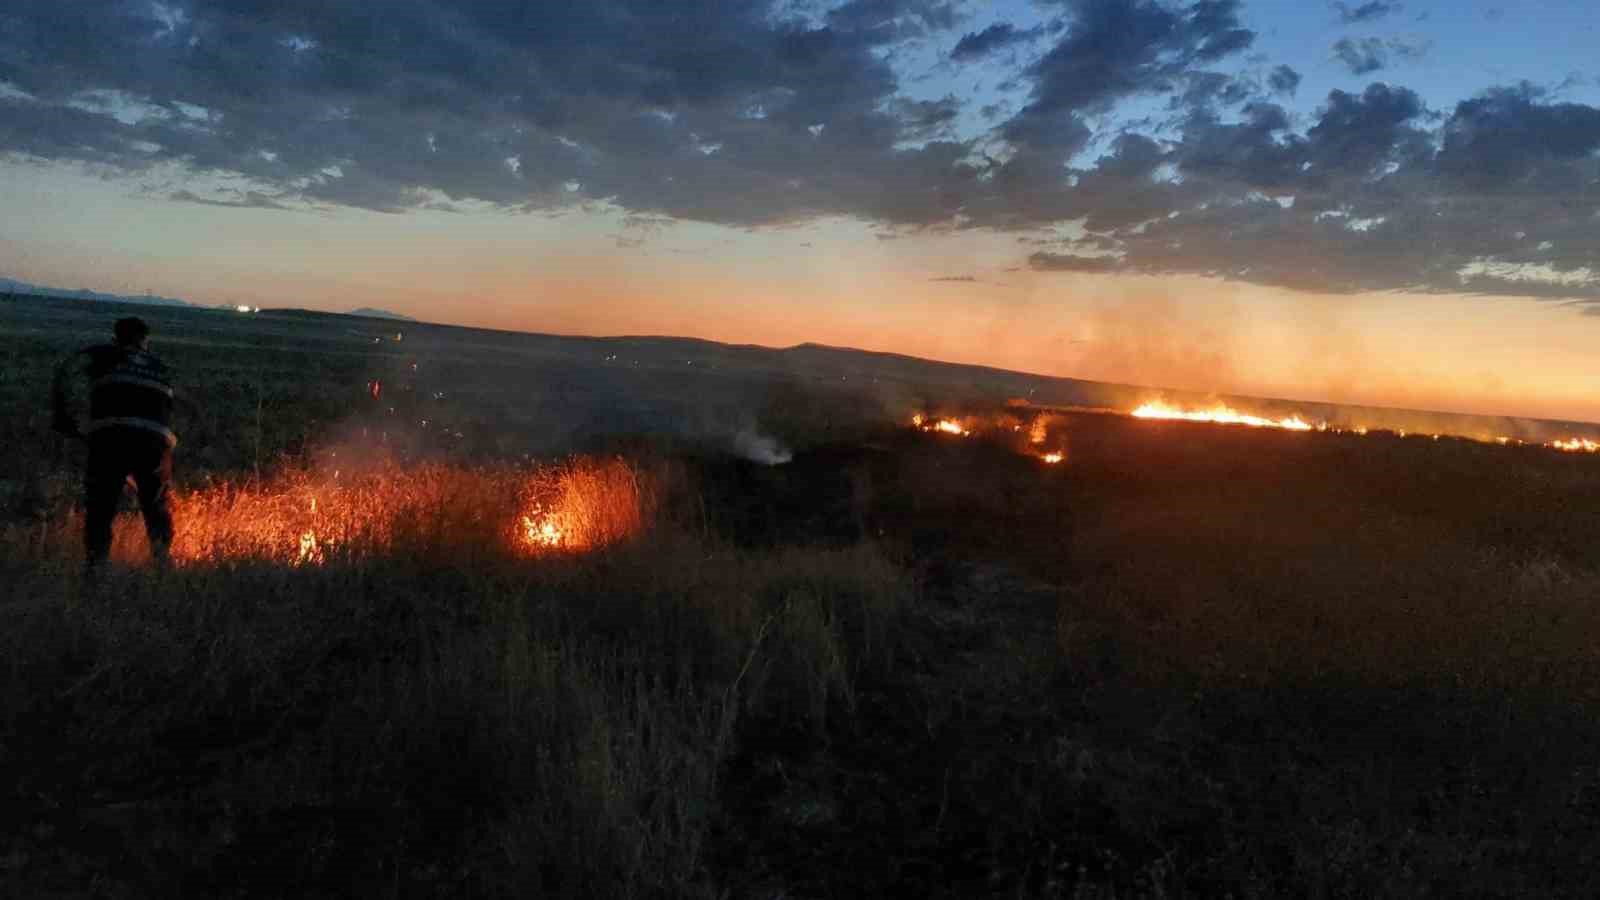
(1376,203)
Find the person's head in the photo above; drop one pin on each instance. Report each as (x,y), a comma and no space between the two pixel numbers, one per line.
(132,332)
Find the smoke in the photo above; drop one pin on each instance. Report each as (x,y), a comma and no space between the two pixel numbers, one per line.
(757,447)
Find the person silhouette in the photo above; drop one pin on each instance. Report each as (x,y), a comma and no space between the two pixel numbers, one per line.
(129,434)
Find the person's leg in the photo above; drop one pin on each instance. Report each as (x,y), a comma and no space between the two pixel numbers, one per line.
(104,477)
(154,478)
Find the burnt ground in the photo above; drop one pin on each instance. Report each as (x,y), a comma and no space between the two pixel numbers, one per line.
(931,498)
(916,790)
(1021,744)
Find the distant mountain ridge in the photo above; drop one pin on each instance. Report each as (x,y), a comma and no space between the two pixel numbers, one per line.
(12,286)
(372,312)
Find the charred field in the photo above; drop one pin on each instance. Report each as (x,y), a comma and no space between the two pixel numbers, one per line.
(646,617)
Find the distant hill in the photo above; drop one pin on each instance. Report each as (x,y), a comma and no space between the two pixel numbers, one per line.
(12,286)
(373,313)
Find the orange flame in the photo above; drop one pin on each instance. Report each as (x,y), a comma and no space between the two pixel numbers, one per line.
(1576,445)
(1222,415)
(943,426)
(1226,415)
(582,506)
(302,519)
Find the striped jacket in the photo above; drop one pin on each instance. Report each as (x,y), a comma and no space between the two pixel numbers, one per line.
(128,387)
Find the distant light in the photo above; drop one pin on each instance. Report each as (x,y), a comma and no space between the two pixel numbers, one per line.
(244,309)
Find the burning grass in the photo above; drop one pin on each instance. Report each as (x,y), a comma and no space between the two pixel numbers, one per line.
(1219,414)
(1222,414)
(1033,436)
(582,505)
(301,517)
(939,426)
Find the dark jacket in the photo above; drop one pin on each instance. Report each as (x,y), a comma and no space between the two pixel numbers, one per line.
(128,387)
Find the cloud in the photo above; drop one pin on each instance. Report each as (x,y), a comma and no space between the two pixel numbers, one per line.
(979,44)
(1506,139)
(1361,56)
(1410,48)
(1284,80)
(242,200)
(1366,12)
(1117,48)
(892,21)
(1370,54)
(1067,262)
(726,112)
(926,119)
(963,279)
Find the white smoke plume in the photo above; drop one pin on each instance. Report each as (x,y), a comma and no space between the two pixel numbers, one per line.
(760,448)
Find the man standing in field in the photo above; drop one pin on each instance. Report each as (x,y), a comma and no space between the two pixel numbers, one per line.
(129,434)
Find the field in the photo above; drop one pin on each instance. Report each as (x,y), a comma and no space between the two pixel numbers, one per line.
(575,636)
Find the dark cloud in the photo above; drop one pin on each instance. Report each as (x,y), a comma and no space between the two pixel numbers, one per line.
(979,44)
(1366,12)
(1507,139)
(723,111)
(1068,262)
(1358,134)
(1284,80)
(1114,49)
(1204,89)
(1362,56)
(1370,54)
(926,119)
(237,200)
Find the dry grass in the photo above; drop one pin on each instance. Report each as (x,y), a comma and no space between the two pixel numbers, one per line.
(428,705)
(309,517)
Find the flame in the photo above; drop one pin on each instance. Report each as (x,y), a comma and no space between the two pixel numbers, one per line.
(1053,458)
(539,530)
(1222,415)
(1037,431)
(582,506)
(299,518)
(1576,445)
(1228,416)
(943,426)
(310,550)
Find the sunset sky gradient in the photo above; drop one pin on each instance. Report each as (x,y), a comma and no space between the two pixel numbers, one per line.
(1380,203)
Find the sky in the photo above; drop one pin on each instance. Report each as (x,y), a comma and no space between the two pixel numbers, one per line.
(1381,202)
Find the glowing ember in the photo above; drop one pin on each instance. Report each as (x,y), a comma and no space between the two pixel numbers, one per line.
(1053,458)
(1221,415)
